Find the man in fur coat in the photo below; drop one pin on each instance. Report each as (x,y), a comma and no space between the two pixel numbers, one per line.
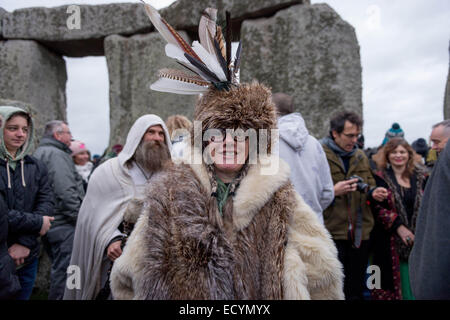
(111,187)
(224,229)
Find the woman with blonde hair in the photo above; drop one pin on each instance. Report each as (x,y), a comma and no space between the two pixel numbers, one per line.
(393,235)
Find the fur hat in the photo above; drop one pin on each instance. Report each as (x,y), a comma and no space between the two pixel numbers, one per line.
(247,106)
(225,104)
(77,147)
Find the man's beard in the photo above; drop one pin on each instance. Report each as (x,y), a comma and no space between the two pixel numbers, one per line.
(151,155)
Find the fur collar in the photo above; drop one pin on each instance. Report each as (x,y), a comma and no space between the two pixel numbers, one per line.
(254,190)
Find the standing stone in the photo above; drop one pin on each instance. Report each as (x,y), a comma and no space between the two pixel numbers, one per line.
(185,14)
(447,95)
(2,13)
(32,74)
(133,65)
(310,53)
(60,29)
(56,28)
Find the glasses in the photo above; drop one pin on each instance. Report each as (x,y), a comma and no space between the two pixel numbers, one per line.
(220,134)
(352,136)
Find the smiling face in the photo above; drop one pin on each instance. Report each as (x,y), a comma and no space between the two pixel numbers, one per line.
(15,133)
(230,154)
(81,158)
(399,157)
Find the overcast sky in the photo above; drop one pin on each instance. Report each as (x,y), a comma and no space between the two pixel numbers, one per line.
(404,55)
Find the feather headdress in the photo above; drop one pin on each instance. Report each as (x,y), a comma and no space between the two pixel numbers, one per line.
(208,62)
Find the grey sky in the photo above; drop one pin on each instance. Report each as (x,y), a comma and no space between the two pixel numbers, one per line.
(404,54)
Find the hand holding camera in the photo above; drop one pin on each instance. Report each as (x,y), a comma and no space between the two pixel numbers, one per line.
(345,186)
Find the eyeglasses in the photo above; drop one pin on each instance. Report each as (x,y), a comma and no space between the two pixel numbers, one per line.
(68,132)
(352,136)
(220,134)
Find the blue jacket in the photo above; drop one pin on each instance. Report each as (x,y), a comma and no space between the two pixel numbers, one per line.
(28,196)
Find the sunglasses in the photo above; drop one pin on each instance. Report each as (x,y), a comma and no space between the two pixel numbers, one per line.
(220,134)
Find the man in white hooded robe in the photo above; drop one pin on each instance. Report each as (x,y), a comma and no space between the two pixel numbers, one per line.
(111,187)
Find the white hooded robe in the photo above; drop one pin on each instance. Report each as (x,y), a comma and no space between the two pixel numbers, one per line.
(110,188)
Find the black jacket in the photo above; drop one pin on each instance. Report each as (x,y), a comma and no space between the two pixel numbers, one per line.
(9,282)
(26,204)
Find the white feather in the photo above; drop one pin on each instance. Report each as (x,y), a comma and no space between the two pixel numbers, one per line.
(155,18)
(174,51)
(178,54)
(209,60)
(175,86)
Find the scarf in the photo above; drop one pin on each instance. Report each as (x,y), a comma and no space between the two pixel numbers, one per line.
(330,143)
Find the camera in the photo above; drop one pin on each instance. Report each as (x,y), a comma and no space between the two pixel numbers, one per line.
(361,186)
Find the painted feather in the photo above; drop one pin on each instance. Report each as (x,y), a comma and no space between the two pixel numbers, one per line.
(167,31)
(209,60)
(207,29)
(182,76)
(221,42)
(179,87)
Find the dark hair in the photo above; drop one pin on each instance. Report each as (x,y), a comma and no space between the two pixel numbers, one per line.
(22,114)
(337,123)
(390,146)
(284,103)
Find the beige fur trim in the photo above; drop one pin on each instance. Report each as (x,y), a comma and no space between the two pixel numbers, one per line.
(295,281)
(199,169)
(128,267)
(255,190)
(318,254)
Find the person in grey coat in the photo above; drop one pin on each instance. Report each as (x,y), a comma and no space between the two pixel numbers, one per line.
(67,184)
(310,173)
(429,261)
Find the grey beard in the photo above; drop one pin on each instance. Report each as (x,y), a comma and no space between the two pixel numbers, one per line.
(151,155)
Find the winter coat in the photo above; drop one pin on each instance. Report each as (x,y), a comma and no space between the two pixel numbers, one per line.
(27,204)
(273,247)
(390,214)
(66,182)
(310,173)
(429,262)
(9,281)
(336,215)
(27,193)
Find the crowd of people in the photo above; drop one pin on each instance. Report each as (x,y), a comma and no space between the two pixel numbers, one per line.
(352,210)
(240,203)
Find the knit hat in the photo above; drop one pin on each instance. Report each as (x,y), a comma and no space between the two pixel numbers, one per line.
(420,146)
(394,132)
(77,147)
(117,148)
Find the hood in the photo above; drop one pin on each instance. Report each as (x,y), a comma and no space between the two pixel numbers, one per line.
(293,130)
(6,112)
(136,133)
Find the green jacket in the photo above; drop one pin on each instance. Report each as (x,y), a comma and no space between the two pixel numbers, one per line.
(336,215)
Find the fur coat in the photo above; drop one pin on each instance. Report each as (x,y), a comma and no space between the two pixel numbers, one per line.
(181,248)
